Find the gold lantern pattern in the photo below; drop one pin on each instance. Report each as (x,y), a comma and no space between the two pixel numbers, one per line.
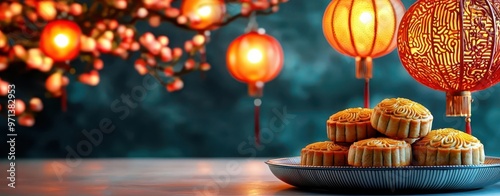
(452,46)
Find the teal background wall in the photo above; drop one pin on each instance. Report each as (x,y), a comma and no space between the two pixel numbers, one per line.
(213,116)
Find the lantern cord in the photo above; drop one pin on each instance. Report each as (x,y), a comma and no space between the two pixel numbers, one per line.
(364,70)
(367,93)
(252,23)
(257,102)
(468,127)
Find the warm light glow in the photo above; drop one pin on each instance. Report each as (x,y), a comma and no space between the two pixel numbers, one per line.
(254,56)
(61,40)
(204,168)
(362,28)
(204,11)
(54,83)
(366,17)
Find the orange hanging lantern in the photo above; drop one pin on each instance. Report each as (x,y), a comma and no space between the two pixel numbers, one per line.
(60,40)
(204,14)
(452,46)
(363,29)
(255,58)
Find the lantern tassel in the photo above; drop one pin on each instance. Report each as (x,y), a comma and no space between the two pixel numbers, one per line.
(458,104)
(64,95)
(203,58)
(367,93)
(63,100)
(257,102)
(255,90)
(468,127)
(364,70)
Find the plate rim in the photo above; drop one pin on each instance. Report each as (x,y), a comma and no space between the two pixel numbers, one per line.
(273,162)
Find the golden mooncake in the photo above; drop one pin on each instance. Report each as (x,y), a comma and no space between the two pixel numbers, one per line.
(378,152)
(401,118)
(448,147)
(350,125)
(324,154)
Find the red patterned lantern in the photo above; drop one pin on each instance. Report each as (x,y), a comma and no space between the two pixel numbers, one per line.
(452,46)
(255,58)
(363,29)
(60,40)
(204,14)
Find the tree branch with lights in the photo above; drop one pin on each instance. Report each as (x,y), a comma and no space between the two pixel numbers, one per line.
(46,36)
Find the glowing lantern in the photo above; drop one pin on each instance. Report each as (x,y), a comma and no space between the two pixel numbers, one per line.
(204,14)
(255,58)
(451,46)
(60,40)
(364,29)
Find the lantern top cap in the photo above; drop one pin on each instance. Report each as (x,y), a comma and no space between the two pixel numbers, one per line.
(261,31)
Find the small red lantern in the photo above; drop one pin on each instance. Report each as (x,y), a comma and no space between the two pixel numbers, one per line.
(255,58)
(203,14)
(452,46)
(60,40)
(363,29)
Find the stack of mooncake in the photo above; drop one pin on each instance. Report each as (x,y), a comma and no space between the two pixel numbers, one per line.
(396,132)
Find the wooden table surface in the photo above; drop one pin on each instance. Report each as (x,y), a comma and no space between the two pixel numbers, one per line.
(147,177)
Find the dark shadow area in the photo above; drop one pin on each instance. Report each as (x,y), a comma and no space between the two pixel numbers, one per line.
(304,191)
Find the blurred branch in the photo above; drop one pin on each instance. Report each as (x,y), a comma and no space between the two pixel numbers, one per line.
(108,28)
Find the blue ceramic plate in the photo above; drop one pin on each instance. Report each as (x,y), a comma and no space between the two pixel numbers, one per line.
(452,177)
